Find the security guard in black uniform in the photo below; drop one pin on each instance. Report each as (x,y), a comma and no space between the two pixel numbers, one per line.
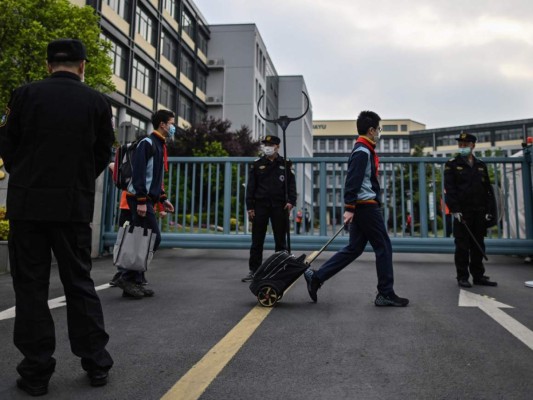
(55,139)
(266,200)
(469,197)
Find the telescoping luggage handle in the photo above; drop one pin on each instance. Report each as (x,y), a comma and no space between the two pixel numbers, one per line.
(311,257)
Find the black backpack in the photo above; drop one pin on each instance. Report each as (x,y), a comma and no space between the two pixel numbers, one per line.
(122,173)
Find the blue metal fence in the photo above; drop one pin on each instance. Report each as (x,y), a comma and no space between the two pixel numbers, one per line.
(208,194)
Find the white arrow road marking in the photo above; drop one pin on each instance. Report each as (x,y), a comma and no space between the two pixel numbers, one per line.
(53,303)
(492,308)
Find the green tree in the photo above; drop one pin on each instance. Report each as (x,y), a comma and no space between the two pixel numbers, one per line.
(27,26)
(212,138)
(200,136)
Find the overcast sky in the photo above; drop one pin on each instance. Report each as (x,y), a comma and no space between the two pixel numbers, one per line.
(438,62)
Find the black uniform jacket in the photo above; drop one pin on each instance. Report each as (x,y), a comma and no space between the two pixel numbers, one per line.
(266,183)
(467,188)
(55,142)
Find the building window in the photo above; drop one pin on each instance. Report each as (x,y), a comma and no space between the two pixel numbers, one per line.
(390,128)
(144,25)
(331,145)
(202,43)
(169,47)
(142,78)
(200,116)
(119,59)
(404,128)
(482,137)
(322,145)
(395,145)
(167,94)
(201,81)
(386,145)
(187,66)
(187,23)
(349,144)
(139,124)
(170,7)
(185,108)
(509,134)
(121,7)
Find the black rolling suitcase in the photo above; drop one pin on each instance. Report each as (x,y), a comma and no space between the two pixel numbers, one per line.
(280,271)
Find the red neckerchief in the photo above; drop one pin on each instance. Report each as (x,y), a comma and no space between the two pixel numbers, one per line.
(165,154)
(370,145)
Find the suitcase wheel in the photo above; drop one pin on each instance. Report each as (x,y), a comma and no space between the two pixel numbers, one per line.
(268,296)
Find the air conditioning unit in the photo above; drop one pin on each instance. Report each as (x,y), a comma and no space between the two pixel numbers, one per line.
(215,62)
(214,99)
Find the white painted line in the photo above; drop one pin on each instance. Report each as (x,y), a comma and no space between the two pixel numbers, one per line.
(52,303)
(492,307)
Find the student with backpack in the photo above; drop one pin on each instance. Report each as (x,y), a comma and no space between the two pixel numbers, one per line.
(145,189)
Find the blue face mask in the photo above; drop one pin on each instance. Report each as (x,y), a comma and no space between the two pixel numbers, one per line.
(171,131)
(465,151)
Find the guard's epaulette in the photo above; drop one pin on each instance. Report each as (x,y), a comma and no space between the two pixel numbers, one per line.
(451,159)
(257,159)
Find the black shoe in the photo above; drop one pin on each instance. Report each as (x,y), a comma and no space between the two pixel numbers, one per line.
(130,289)
(390,300)
(484,281)
(113,281)
(313,284)
(248,278)
(98,377)
(464,283)
(33,389)
(147,292)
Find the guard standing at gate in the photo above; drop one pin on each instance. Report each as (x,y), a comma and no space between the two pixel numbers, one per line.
(266,200)
(55,139)
(469,197)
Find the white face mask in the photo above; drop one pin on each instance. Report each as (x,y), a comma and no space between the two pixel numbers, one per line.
(269,150)
(465,151)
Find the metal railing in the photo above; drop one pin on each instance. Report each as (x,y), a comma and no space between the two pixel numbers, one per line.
(208,194)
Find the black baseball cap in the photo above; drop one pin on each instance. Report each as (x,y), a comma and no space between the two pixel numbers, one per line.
(466,137)
(269,139)
(66,50)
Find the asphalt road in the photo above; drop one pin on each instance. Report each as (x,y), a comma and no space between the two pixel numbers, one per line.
(343,347)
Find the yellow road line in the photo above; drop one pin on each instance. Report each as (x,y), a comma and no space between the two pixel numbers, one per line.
(199,377)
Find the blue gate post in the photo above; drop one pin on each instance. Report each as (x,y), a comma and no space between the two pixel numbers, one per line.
(422,186)
(527,184)
(227,197)
(323,199)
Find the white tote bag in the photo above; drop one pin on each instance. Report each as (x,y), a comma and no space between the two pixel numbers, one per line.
(134,248)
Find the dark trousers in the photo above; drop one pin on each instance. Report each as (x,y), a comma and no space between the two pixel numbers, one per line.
(150,222)
(468,257)
(30,246)
(279,219)
(367,226)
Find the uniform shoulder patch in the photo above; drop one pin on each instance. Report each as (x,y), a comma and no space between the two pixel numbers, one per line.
(3,120)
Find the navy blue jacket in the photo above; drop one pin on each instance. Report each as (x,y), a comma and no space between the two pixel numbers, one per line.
(361,180)
(148,170)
